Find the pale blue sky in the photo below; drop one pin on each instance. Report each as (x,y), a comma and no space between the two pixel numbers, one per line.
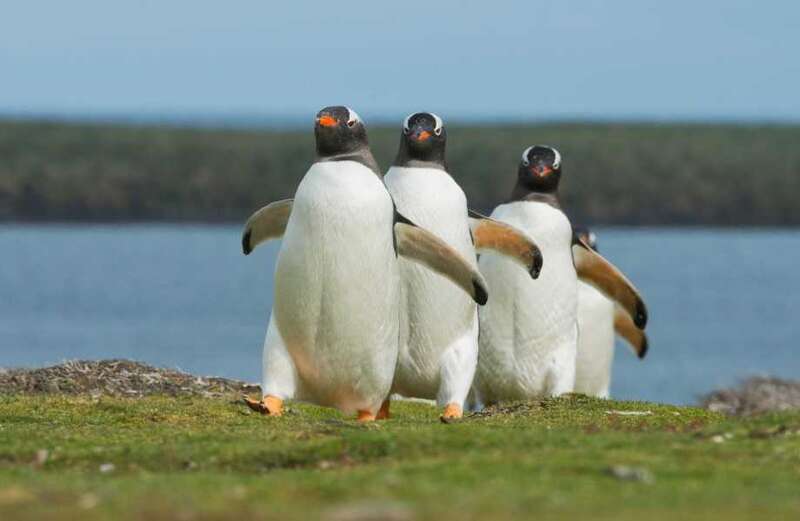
(642,59)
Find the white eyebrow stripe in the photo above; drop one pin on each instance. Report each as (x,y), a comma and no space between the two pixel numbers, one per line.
(438,120)
(557,161)
(525,154)
(352,115)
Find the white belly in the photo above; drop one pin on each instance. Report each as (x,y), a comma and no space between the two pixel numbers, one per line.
(528,329)
(337,287)
(435,313)
(595,342)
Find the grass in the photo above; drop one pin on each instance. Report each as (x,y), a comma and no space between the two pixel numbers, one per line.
(194,458)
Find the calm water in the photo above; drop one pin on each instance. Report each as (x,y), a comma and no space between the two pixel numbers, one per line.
(723,304)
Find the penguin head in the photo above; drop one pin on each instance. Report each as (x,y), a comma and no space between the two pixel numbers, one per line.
(540,169)
(586,235)
(339,130)
(423,137)
(422,141)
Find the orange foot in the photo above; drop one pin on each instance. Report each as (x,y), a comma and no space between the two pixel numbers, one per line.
(365,416)
(383,412)
(269,405)
(451,413)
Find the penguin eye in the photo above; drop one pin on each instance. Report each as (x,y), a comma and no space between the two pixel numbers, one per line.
(351,123)
(438,131)
(525,161)
(406,130)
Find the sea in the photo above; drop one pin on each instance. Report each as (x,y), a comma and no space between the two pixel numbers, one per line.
(723,303)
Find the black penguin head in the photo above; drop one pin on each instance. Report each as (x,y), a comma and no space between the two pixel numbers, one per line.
(423,139)
(586,235)
(339,130)
(540,169)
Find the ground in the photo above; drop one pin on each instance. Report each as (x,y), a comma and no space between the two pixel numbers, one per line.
(159,457)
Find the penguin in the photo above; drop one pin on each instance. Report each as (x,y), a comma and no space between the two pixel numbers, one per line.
(332,337)
(529,329)
(598,319)
(438,348)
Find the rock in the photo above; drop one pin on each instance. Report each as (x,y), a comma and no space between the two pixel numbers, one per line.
(115,378)
(625,473)
(755,396)
(41,457)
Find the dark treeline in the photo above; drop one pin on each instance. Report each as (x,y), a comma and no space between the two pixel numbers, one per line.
(613,173)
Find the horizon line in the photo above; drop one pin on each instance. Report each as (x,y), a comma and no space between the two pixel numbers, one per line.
(295,121)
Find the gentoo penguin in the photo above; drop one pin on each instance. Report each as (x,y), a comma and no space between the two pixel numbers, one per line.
(439,323)
(598,319)
(333,335)
(529,329)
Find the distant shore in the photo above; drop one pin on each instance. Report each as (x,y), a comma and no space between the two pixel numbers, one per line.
(659,174)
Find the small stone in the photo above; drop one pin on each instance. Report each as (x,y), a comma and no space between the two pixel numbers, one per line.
(41,457)
(105,468)
(625,473)
(718,438)
(325,465)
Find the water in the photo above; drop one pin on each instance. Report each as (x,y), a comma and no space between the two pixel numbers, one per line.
(723,304)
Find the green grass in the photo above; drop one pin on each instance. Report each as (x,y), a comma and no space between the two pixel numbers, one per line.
(213,459)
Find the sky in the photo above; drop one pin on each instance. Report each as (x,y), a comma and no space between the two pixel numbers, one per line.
(499,60)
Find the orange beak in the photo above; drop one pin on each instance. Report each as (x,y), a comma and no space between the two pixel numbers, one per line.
(327,121)
(541,172)
(423,136)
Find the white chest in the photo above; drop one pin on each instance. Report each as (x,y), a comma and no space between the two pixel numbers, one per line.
(337,285)
(436,316)
(528,327)
(432,199)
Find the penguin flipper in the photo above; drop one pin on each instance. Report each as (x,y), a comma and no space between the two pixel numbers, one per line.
(624,326)
(490,234)
(597,271)
(419,245)
(267,223)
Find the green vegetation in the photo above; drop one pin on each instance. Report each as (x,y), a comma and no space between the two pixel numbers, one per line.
(573,458)
(614,173)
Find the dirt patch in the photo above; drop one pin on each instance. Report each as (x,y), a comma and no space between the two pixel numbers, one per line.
(755,396)
(115,378)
